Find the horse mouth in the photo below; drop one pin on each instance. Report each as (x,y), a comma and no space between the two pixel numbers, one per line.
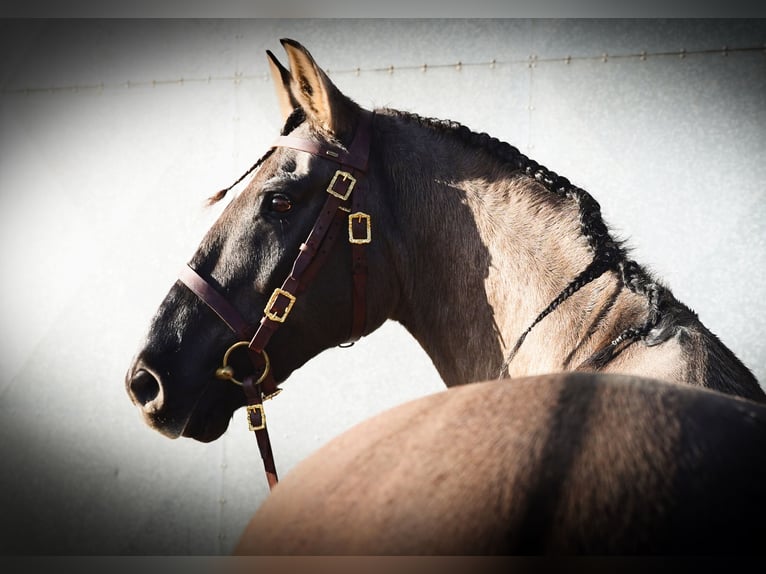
(204,429)
(210,417)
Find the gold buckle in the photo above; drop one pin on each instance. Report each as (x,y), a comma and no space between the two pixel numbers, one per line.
(346,177)
(359,216)
(253,409)
(272,301)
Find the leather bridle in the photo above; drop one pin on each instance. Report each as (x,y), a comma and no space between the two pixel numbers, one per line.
(341,205)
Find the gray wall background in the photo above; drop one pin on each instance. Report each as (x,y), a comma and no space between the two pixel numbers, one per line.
(112,134)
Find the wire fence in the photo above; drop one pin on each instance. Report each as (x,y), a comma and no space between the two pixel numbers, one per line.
(531,61)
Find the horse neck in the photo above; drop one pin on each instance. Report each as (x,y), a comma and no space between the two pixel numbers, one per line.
(481,251)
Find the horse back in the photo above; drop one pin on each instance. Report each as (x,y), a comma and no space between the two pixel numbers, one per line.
(570,463)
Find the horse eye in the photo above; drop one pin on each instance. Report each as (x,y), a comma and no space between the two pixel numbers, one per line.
(281,203)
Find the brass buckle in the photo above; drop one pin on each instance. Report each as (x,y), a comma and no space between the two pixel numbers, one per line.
(346,177)
(359,216)
(272,301)
(226,373)
(255,409)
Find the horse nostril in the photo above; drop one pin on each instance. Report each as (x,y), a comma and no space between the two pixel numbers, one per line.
(144,387)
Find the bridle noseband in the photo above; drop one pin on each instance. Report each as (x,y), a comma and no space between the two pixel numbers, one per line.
(344,203)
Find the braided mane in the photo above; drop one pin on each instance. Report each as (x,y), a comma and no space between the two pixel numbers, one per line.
(293,121)
(608,254)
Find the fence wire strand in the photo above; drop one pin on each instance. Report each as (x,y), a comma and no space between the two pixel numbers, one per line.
(531,61)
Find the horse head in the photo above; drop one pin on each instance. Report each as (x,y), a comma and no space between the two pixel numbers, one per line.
(246,255)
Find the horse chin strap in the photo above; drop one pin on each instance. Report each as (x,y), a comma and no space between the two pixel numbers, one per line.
(341,206)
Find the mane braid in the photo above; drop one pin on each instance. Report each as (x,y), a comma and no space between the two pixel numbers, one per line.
(293,121)
(608,254)
(222,193)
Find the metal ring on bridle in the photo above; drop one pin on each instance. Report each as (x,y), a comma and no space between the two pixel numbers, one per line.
(226,373)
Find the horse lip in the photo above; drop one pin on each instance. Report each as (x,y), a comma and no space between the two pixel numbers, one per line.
(171,427)
(189,419)
(200,418)
(200,425)
(170,431)
(203,430)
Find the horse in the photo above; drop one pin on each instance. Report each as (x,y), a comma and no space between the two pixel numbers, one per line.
(562,464)
(482,254)
(496,265)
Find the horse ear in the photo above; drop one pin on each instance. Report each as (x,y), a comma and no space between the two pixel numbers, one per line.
(282,84)
(323,103)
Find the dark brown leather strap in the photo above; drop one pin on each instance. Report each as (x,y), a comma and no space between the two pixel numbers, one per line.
(355,157)
(323,251)
(359,234)
(338,191)
(256,420)
(215,301)
(262,369)
(277,312)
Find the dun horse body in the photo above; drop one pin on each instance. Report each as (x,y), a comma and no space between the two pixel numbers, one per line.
(496,265)
(565,464)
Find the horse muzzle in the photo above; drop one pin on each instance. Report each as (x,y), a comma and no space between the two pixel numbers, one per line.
(145,388)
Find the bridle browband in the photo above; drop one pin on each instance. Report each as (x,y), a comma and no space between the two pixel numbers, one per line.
(341,205)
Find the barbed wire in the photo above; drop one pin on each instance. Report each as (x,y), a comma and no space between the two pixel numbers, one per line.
(532,61)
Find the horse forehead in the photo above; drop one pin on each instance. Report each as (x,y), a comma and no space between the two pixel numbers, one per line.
(296,163)
(303,162)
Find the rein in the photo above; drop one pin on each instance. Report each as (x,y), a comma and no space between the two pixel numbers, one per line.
(341,205)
